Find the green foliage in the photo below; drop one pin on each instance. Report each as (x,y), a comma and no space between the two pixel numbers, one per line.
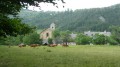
(82,39)
(56,36)
(13,27)
(97,19)
(56,33)
(10,8)
(13,6)
(65,36)
(112,41)
(99,39)
(116,33)
(11,40)
(2,40)
(32,38)
(50,40)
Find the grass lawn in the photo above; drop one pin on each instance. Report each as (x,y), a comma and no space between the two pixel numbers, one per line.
(72,56)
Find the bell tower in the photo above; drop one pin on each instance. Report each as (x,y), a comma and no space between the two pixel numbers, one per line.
(52,26)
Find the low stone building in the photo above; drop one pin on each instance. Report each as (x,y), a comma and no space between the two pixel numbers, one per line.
(89,33)
(73,36)
(47,33)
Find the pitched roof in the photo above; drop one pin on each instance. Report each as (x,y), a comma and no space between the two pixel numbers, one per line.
(45,30)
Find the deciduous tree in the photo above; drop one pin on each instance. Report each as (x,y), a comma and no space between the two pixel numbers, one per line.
(116,33)
(9,26)
(65,36)
(32,38)
(56,36)
(82,39)
(99,39)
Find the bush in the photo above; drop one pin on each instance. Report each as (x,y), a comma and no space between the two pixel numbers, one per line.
(112,41)
(82,39)
(50,40)
(99,39)
(11,40)
(2,41)
(32,38)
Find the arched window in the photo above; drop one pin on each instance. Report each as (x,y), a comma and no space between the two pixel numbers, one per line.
(47,34)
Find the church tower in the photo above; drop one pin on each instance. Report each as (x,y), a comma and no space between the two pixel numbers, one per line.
(52,26)
(47,33)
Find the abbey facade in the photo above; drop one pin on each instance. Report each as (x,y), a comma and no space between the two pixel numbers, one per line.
(47,33)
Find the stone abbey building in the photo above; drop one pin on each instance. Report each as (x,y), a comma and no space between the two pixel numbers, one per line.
(47,33)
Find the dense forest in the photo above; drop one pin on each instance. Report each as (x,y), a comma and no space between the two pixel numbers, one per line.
(94,19)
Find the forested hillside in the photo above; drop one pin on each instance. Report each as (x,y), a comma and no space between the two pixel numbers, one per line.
(96,19)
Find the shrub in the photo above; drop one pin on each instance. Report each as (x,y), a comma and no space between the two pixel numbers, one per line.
(11,40)
(2,41)
(99,39)
(50,40)
(82,39)
(112,41)
(32,38)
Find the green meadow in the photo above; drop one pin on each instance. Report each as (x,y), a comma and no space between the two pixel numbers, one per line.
(72,56)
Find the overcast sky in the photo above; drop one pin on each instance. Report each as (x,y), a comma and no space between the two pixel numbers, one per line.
(76,4)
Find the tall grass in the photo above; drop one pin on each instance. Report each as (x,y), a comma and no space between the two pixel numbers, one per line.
(73,56)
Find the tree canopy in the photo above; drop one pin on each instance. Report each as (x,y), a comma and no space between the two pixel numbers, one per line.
(13,6)
(11,26)
(65,36)
(94,19)
(116,33)
(83,39)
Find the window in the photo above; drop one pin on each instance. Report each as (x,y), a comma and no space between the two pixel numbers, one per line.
(47,34)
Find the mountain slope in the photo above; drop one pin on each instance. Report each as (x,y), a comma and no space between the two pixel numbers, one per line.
(96,19)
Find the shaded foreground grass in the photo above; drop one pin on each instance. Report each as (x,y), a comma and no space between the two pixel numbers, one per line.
(73,56)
